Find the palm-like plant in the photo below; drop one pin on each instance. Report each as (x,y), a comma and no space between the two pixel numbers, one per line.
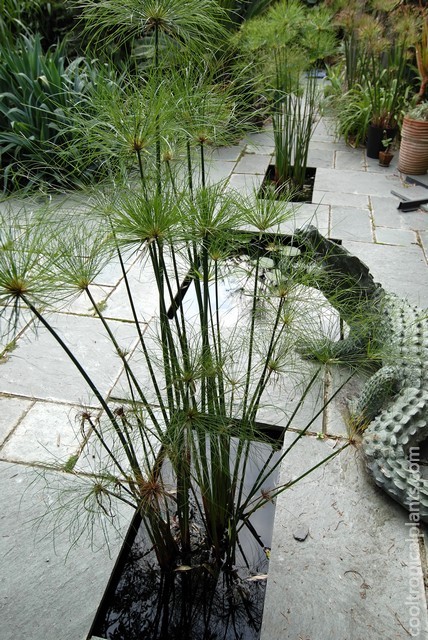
(207,379)
(176,28)
(274,43)
(204,113)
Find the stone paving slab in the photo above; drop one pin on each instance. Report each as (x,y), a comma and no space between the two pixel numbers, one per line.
(47,434)
(329,146)
(227,154)
(351,223)
(340,198)
(12,409)
(325,129)
(215,171)
(386,214)
(402,237)
(357,182)
(350,160)
(38,367)
(111,274)
(264,150)
(320,158)
(401,270)
(253,164)
(262,138)
(246,184)
(143,285)
(353,577)
(49,590)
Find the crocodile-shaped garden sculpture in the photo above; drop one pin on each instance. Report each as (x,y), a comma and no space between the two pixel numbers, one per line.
(392,410)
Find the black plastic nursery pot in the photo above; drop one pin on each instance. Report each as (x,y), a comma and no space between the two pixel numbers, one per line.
(375,136)
(201,600)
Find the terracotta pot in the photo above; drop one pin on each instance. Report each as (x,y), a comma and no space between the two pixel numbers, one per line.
(413,157)
(385,158)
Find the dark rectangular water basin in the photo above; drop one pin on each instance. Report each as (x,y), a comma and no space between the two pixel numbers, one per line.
(199,601)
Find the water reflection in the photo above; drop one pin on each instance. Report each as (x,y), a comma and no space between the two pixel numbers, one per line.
(199,601)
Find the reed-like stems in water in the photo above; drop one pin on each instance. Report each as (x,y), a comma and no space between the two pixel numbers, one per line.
(294,112)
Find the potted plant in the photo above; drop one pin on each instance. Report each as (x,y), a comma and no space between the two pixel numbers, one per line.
(386,156)
(387,99)
(283,49)
(293,110)
(413,158)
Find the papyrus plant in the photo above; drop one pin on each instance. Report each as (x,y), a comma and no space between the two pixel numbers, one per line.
(165,443)
(173,440)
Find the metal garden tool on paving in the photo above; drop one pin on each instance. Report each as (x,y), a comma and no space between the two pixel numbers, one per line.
(406,203)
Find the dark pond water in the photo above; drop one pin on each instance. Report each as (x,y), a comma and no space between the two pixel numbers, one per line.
(270,187)
(205,602)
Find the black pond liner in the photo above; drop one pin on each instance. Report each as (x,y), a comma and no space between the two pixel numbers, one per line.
(204,603)
(269,187)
